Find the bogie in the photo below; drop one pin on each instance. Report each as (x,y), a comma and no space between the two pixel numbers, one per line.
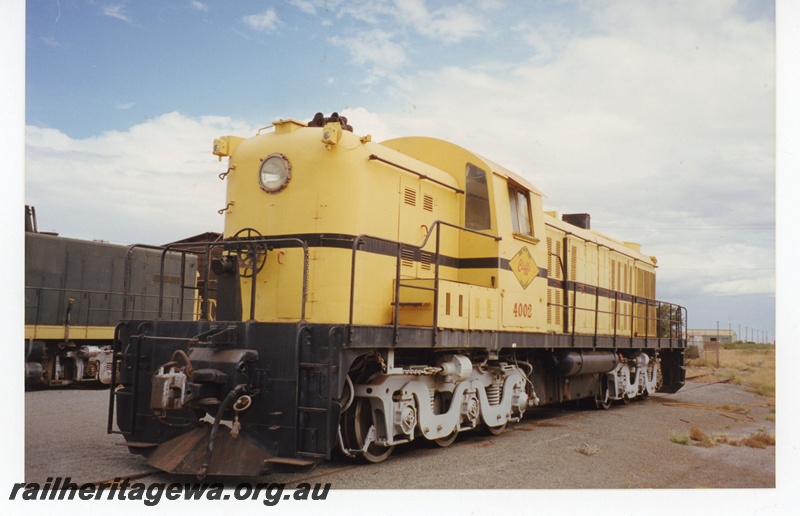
(433,402)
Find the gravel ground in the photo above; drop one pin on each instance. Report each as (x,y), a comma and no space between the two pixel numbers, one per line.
(554,448)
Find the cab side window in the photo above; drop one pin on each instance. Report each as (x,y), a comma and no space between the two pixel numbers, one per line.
(477,214)
(520,210)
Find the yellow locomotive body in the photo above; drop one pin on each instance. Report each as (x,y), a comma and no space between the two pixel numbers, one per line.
(392,291)
(494,277)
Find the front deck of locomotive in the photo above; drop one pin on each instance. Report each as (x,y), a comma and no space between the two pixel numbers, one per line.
(226,398)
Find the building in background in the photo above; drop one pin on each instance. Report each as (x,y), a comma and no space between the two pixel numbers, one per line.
(712,335)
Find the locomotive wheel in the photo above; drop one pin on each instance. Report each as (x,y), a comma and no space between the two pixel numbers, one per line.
(444,442)
(602,401)
(357,422)
(495,430)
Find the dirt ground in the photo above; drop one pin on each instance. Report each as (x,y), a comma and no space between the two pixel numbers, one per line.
(552,448)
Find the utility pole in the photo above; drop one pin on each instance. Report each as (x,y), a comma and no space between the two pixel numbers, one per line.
(717,344)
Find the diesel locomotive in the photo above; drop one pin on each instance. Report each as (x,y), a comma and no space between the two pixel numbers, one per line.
(76,291)
(371,294)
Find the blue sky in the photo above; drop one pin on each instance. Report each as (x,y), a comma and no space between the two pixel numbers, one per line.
(658,118)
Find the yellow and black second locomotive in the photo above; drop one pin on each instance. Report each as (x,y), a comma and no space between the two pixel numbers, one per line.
(370,294)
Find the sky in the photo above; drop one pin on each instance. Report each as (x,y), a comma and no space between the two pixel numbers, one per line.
(656,117)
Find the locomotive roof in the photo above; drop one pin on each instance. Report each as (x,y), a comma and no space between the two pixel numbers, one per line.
(429,143)
(631,249)
(504,172)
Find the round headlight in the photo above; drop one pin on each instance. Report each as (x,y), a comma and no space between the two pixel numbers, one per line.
(275,173)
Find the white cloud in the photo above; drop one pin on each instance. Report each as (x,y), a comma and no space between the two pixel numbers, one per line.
(376,50)
(306,6)
(154,183)
(116,11)
(380,34)
(372,12)
(200,6)
(364,122)
(546,39)
(267,21)
(616,110)
(449,24)
(711,262)
(741,286)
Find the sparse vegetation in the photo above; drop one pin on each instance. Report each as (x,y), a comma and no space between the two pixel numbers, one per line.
(703,440)
(680,438)
(771,415)
(758,440)
(742,363)
(697,437)
(587,449)
(692,352)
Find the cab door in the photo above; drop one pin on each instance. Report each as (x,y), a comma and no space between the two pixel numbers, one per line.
(479,259)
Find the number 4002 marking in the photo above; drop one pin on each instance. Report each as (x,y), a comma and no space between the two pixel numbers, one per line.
(523,310)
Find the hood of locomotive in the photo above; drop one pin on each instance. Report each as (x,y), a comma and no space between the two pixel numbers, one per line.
(332,185)
(332,191)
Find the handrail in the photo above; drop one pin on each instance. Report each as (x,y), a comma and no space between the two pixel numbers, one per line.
(676,320)
(112,390)
(164,250)
(94,294)
(418,174)
(361,239)
(357,242)
(255,245)
(460,228)
(127,277)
